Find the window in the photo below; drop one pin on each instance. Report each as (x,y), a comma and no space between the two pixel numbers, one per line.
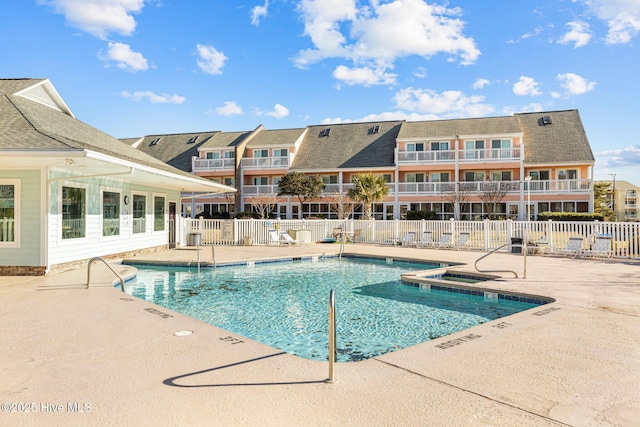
(280,152)
(474,149)
(439,146)
(440,177)
(418,146)
(500,148)
(74,204)
(386,177)
(158,213)
(230,182)
(260,153)
(139,213)
(260,180)
(229,154)
(415,177)
(474,176)
(9,211)
(212,155)
(329,179)
(501,176)
(110,213)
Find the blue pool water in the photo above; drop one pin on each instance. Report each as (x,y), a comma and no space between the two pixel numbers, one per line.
(285,304)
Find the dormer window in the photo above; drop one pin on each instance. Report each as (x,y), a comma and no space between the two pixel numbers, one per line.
(325,132)
(155,141)
(375,129)
(192,139)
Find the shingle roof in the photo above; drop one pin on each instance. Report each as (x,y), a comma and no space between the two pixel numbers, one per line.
(279,137)
(562,140)
(224,140)
(29,125)
(352,145)
(174,149)
(450,128)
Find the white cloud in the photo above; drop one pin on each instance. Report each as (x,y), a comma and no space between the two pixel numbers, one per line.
(153,98)
(525,36)
(480,83)
(211,61)
(124,57)
(279,112)
(450,103)
(258,12)
(529,108)
(229,108)
(365,76)
(625,157)
(98,17)
(575,84)
(382,117)
(621,16)
(370,34)
(526,86)
(579,35)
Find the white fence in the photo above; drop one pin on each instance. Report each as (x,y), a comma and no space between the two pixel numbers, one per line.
(484,235)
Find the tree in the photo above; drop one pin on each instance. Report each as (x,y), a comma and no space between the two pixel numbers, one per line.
(602,200)
(457,194)
(304,187)
(340,204)
(264,204)
(492,193)
(368,189)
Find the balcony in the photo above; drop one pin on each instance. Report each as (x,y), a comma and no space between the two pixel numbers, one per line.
(477,187)
(484,155)
(265,163)
(255,190)
(201,165)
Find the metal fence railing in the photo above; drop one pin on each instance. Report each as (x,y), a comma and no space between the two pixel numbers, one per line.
(483,235)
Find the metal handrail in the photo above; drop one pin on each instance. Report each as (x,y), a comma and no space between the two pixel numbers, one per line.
(97,258)
(503,271)
(332,334)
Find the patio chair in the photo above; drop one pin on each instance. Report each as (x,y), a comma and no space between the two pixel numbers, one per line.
(573,248)
(426,239)
(337,233)
(353,237)
(463,238)
(276,239)
(408,240)
(444,242)
(287,239)
(601,248)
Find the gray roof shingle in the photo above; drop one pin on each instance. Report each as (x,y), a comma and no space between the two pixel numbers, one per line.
(352,145)
(450,128)
(174,149)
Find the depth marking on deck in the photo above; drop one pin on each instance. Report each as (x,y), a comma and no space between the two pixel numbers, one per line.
(158,312)
(546,311)
(502,325)
(458,341)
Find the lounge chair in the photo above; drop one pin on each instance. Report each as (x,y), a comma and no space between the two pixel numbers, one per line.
(444,242)
(573,248)
(426,239)
(463,238)
(408,240)
(282,238)
(287,239)
(601,248)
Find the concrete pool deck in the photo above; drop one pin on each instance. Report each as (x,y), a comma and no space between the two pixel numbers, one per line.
(100,357)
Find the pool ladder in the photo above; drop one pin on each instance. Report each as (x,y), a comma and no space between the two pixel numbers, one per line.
(97,258)
(504,271)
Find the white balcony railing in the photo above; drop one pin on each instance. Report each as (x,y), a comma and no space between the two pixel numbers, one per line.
(253,190)
(484,155)
(556,186)
(199,164)
(265,162)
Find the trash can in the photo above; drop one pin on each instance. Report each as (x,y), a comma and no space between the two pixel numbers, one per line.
(194,239)
(516,241)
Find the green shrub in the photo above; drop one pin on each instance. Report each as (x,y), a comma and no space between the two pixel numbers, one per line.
(569,216)
(417,215)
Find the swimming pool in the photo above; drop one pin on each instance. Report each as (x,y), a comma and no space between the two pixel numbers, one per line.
(284,304)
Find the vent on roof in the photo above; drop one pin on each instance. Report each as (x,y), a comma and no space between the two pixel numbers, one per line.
(325,132)
(546,120)
(192,139)
(155,141)
(375,129)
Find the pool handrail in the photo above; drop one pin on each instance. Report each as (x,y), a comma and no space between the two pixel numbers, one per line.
(97,258)
(503,271)
(332,334)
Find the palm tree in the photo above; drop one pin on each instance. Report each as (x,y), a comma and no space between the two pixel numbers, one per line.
(368,189)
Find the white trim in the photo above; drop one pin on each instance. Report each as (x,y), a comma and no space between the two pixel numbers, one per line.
(17,213)
(104,189)
(72,184)
(146,212)
(165,221)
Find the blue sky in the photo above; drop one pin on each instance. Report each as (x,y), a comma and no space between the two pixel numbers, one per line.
(138,67)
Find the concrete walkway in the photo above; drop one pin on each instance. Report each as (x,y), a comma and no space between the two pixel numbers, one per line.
(73,356)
